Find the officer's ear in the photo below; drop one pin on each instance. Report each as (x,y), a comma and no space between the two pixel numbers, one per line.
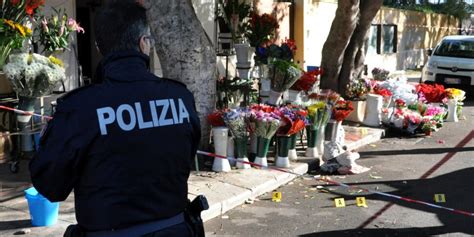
(145,44)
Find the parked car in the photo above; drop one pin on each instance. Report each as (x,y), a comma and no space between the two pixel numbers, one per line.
(451,63)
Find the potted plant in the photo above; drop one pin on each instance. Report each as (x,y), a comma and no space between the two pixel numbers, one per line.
(356,92)
(237,122)
(454,102)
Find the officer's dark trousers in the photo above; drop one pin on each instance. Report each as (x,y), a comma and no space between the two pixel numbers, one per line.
(182,229)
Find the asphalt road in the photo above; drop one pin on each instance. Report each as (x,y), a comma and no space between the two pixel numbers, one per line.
(414,167)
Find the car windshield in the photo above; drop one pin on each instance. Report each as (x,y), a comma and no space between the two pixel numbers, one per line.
(456,48)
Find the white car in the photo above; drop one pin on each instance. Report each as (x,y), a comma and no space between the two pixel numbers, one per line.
(451,63)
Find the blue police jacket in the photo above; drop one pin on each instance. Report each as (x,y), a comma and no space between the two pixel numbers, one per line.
(125,146)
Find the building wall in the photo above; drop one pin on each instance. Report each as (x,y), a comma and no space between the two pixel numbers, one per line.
(416,32)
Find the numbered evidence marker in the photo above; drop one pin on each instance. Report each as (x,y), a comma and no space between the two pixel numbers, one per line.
(276,197)
(339,202)
(440,198)
(364,131)
(361,202)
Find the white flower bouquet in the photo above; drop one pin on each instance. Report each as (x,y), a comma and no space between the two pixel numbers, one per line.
(34,75)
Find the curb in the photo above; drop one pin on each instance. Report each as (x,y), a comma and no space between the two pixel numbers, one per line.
(226,191)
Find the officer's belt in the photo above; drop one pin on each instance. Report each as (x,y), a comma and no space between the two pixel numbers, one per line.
(141,229)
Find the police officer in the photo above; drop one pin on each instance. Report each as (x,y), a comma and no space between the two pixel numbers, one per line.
(124,146)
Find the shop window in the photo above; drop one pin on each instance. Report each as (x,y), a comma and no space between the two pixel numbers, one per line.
(383,39)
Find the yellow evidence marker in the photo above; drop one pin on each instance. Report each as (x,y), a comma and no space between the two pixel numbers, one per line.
(440,198)
(276,197)
(361,202)
(364,131)
(340,202)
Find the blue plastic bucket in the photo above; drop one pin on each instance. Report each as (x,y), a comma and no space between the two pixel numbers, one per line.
(42,211)
(311,68)
(37,137)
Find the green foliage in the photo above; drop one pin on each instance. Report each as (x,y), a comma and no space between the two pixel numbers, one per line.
(456,8)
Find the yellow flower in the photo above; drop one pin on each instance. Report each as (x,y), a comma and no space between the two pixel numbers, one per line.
(9,23)
(317,106)
(20,29)
(456,94)
(56,61)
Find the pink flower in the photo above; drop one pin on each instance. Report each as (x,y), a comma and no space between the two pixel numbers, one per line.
(72,25)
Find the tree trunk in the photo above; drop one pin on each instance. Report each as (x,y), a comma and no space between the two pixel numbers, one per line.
(340,34)
(346,46)
(186,52)
(355,53)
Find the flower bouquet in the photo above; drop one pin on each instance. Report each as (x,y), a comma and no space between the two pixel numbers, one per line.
(54,31)
(431,93)
(455,98)
(380,74)
(261,28)
(237,122)
(283,73)
(291,124)
(306,81)
(266,125)
(13,31)
(319,114)
(386,95)
(341,110)
(220,136)
(429,125)
(412,121)
(32,76)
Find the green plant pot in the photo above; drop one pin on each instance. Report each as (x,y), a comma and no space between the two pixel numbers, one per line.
(284,143)
(240,146)
(312,136)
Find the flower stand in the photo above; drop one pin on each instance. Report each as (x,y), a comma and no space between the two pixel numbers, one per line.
(452,113)
(282,160)
(262,151)
(358,114)
(374,110)
(241,152)
(292,154)
(312,136)
(220,137)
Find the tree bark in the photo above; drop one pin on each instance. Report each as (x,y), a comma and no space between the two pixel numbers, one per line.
(346,46)
(355,53)
(186,52)
(340,34)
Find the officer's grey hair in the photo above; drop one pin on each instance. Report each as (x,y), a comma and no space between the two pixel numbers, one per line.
(119,26)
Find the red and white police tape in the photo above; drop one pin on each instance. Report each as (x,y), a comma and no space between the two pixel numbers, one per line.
(471,214)
(345,185)
(25,112)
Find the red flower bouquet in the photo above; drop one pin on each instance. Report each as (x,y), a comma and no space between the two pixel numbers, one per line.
(342,109)
(261,28)
(307,80)
(382,91)
(431,93)
(216,119)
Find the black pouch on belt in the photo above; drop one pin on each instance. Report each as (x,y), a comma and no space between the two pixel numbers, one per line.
(193,215)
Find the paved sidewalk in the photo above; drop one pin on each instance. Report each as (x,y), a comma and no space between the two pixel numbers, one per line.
(224,191)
